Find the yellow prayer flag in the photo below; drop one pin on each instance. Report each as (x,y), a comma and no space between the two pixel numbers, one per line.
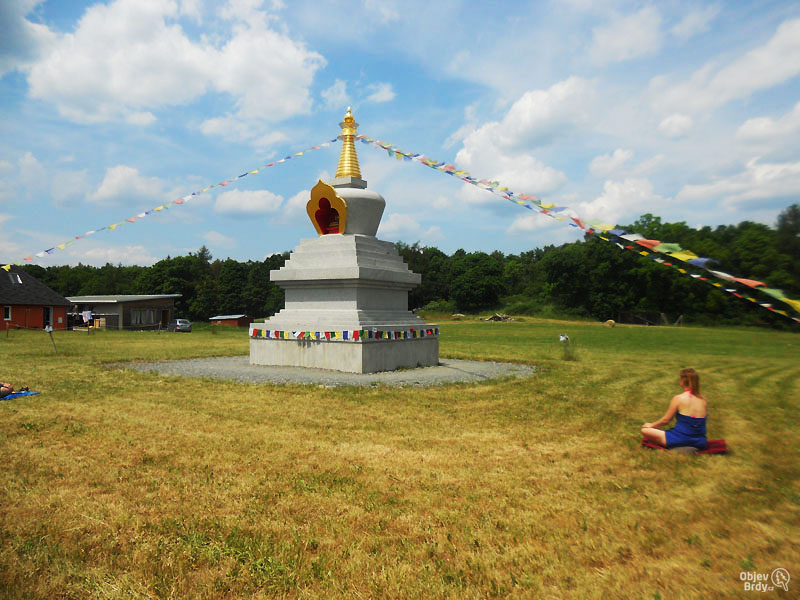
(254,171)
(795,304)
(684,255)
(6,267)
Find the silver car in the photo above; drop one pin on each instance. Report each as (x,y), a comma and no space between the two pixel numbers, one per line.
(180,325)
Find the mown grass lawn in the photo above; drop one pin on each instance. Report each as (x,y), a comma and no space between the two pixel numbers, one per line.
(118,484)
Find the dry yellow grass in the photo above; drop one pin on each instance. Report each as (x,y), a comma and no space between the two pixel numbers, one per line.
(118,484)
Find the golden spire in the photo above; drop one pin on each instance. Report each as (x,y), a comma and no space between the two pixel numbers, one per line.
(348,160)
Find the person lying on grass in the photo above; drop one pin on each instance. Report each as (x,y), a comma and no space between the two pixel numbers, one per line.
(689,410)
(6,389)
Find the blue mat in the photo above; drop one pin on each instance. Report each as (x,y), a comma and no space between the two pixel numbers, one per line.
(18,394)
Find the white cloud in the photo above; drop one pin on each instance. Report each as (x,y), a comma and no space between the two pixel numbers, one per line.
(31,172)
(648,166)
(520,172)
(528,223)
(627,37)
(247,203)
(126,255)
(470,123)
(125,185)
(296,205)
(267,72)
(708,88)
(620,200)
(381,92)
(141,118)
(336,96)
(758,183)
(69,186)
(540,116)
(113,66)
(21,42)
(219,240)
(384,10)
(765,129)
(4,218)
(397,226)
(442,203)
(694,22)
(192,9)
(236,129)
(492,150)
(605,164)
(675,126)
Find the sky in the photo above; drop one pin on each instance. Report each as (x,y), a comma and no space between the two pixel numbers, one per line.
(687,110)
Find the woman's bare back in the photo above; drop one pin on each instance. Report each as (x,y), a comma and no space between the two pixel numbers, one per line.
(691,405)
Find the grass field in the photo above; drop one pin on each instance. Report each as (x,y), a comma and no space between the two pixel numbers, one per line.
(117,484)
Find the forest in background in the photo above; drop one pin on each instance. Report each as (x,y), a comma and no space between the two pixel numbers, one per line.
(590,278)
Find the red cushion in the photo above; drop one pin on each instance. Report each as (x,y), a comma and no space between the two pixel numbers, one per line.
(714,447)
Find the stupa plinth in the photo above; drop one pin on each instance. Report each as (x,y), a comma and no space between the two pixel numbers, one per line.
(346,291)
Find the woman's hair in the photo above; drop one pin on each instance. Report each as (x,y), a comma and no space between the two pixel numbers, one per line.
(691,380)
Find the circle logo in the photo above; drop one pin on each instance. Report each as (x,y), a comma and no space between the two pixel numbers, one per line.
(780,578)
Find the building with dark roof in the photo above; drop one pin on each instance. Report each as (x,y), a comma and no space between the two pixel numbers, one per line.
(29,303)
(125,311)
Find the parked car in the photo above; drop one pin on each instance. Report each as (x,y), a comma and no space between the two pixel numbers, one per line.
(180,325)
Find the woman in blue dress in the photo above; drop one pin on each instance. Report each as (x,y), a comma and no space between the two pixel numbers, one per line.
(689,410)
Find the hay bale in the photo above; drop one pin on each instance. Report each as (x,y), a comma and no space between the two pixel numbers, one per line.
(609,323)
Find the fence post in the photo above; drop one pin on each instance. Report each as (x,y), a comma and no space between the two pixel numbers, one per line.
(49,330)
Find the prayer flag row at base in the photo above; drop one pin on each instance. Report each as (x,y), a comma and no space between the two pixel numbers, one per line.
(348,335)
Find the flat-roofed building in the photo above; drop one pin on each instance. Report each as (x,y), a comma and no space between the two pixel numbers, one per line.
(126,311)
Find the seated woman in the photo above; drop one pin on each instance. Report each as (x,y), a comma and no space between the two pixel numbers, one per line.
(689,410)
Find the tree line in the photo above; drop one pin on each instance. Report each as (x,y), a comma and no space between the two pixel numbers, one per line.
(589,278)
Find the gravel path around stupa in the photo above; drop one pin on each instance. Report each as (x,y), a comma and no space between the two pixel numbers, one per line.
(239,369)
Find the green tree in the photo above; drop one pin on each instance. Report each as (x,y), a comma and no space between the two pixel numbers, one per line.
(477,281)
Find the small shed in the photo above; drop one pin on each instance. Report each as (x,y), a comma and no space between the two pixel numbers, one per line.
(232,320)
(126,311)
(28,303)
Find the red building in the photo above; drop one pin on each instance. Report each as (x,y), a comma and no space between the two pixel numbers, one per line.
(232,320)
(30,304)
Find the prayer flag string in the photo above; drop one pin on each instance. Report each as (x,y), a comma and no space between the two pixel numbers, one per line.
(673,253)
(347,335)
(167,205)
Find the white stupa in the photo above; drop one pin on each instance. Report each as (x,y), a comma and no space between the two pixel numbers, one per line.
(346,291)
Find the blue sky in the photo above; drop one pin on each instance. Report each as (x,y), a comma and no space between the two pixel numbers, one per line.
(687,110)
